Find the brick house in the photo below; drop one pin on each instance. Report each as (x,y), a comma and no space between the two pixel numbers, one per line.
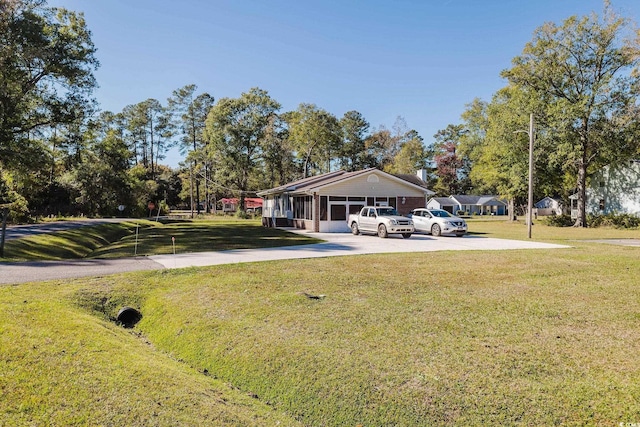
(323,203)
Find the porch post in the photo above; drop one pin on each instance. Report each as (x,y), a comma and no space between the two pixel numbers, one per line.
(316,213)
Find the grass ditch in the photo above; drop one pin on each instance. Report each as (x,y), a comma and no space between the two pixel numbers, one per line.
(71,244)
(152,238)
(61,365)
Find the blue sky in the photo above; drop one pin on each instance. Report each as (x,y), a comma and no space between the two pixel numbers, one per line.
(422,60)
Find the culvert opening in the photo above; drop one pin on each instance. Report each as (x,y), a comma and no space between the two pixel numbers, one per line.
(128,317)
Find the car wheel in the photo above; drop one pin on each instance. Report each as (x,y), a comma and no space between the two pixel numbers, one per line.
(354,229)
(435,230)
(406,235)
(382,231)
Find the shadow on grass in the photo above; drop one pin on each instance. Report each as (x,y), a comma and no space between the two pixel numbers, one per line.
(121,240)
(68,244)
(201,236)
(476,233)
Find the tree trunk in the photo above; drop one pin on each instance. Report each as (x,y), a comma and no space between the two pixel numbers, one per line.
(581,220)
(153,172)
(512,210)
(206,189)
(195,147)
(4,212)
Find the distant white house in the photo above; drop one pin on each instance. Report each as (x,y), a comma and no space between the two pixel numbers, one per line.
(549,206)
(472,205)
(612,190)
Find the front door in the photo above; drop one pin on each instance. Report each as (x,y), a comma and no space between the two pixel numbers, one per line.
(338,217)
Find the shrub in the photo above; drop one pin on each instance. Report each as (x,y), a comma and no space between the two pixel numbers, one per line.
(614,220)
(558,221)
(242,214)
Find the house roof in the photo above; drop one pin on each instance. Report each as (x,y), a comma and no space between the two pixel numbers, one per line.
(444,201)
(485,200)
(315,183)
(301,183)
(548,202)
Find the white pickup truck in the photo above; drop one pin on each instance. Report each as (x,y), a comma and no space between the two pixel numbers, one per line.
(380,220)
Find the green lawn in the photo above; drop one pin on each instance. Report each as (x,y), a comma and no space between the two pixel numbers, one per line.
(526,337)
(498,227)
(144,237)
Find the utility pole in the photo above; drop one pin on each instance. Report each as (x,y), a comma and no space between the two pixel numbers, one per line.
(191,186)
(530,201)
(531,134)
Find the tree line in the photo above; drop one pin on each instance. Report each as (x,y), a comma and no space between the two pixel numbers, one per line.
(60,154)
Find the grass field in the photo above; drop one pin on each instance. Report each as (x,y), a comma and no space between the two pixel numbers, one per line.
(143,237)
(535,337)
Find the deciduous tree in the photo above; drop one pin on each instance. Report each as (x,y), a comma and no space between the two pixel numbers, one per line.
(46,78)
(315,136)
(411,157)
(46,70)
(354,133)
(451,169)
(190,112)
(582,71)
(235,131)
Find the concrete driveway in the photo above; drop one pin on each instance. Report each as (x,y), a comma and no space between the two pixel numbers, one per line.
(337,244)
(340,244)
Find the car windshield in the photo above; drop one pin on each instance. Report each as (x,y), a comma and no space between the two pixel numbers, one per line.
(387,212)
(440,213)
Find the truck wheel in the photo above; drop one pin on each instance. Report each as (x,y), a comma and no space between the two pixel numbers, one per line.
(382,231)
(354,229)
(435,230)
(406,235)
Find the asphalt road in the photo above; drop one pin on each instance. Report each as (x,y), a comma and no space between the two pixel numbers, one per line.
(20,231)
(39,271)
(337,244)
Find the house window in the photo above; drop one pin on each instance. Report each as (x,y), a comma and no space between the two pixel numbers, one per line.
(354,209)
(338,213)
(302,207)
(601,204)
(323,208)
(298,207)
(308,207)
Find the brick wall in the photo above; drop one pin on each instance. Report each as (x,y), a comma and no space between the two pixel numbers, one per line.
(410,203)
